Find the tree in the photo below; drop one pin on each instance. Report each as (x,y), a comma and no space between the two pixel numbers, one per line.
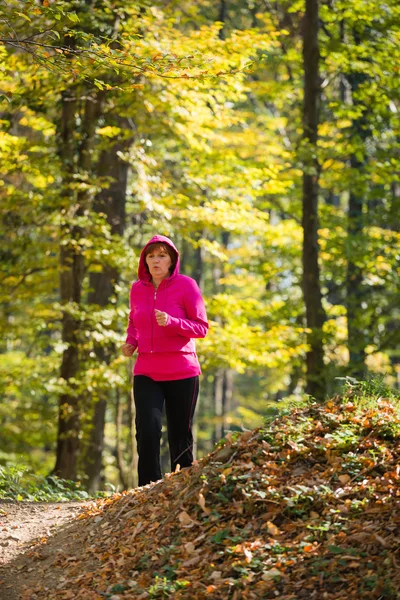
(315,314)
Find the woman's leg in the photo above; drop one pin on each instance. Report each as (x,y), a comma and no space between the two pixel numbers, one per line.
(180,403)
(149,402)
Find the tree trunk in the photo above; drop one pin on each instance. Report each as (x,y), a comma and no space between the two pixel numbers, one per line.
(111,201)
(198,275)
(219,405)
(68,422)
(223,11)
(354,277)
(223,378)
(392,326)
(315,314)
(132,475)
(354,282)
(198,268)
(121,465)
(71,276)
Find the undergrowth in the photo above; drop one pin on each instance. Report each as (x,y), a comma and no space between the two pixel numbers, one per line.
(18,484)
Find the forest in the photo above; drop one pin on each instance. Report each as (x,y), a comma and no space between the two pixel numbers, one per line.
(263,139)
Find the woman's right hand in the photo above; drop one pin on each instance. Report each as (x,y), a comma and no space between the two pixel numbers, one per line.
(127,349)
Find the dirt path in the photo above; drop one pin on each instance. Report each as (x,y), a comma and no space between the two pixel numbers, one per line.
(22,526)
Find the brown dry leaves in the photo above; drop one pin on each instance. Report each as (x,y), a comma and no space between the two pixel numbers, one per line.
(308,507)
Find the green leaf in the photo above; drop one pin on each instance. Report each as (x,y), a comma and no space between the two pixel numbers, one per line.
(24,16)
(73,17)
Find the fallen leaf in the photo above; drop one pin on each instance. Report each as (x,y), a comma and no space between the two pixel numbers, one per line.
(192,561)
(380,540)
(272,529)
(246,435)
(189,547)
(344,479)
(248,554)
(185,520)
(271,574)
(202,502)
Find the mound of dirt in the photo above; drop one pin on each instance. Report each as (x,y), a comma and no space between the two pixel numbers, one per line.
(307,507)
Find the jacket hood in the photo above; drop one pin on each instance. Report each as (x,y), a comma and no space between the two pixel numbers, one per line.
(143,273)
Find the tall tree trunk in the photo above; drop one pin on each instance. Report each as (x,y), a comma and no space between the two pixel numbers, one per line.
(71,276)
(68,423)
(219,405)
(111,201)
(392,326)
(199,276)
(223,10)
(132,474)
(198,267)
(315,315)
(354,277)
(227,393)
(223,378)
(121,465)
(354,282)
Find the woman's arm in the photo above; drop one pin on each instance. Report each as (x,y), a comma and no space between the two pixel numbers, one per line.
(196,324)
(131,332)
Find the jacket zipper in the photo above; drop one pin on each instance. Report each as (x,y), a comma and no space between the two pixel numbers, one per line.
(152,320)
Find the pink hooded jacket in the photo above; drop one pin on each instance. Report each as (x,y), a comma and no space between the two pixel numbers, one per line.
(166,353)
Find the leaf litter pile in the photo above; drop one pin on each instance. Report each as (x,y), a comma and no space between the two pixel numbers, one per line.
(306,507)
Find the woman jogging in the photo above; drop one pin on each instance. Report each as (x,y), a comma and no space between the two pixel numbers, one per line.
(166,313)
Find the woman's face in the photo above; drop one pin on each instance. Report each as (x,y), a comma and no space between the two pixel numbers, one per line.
(159,261)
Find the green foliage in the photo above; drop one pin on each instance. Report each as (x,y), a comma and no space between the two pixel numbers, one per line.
(371,389)
(164,588)
(17,483)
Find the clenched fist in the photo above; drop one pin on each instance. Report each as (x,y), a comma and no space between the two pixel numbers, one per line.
(161,317)
(127,349)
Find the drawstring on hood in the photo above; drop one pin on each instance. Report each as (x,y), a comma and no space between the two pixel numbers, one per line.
(143,273)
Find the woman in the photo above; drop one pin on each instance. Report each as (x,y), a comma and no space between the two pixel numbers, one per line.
(166,313)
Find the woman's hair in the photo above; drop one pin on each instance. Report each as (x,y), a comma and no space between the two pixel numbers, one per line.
(161,246)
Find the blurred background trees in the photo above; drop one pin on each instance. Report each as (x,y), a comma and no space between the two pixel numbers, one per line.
(192,119)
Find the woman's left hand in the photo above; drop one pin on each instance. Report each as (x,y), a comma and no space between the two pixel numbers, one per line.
(161,317)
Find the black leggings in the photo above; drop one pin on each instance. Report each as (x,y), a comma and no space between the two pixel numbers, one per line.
(180,398)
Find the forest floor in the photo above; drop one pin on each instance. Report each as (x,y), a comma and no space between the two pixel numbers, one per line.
(305,508)
(23,525)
